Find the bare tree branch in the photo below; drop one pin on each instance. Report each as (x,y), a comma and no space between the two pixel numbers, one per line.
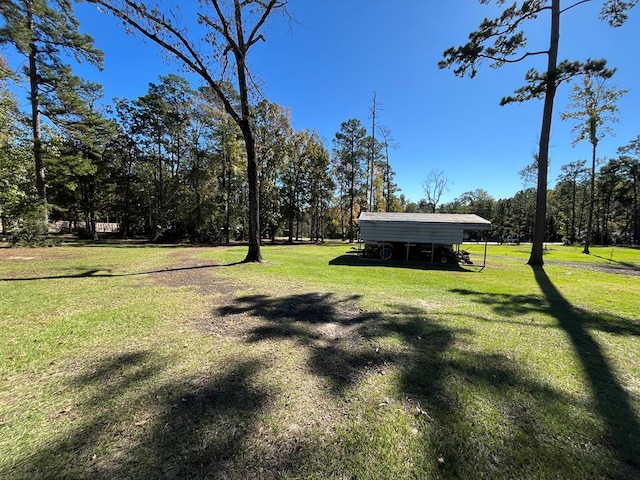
(194,61)
(514,60)
(574,5)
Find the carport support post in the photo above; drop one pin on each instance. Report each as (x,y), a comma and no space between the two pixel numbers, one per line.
(409,245)
(484,262)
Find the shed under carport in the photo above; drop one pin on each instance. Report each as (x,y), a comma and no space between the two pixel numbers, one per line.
(410,229)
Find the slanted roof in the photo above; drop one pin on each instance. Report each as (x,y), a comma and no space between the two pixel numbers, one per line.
(419,227)
(467,220)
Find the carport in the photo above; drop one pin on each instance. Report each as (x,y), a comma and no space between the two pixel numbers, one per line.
(407,230)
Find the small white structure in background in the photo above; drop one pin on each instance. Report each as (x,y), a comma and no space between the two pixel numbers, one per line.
(420,236)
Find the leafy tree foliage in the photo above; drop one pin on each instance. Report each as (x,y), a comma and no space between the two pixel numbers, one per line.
(305,183)
(350,156)
(272,124)
(571,195)
(44,32)
(16,183)
(593,104)
(232,29)
(630,168)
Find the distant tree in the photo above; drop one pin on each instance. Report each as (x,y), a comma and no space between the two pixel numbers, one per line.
(499,219)
(272,124)
(412,207)
(521,220)
(374,148)
(529,173)
(43,31)
(618,189)
(125,160)
(593,104)
(79,174)
(350,153)
(14,155)
(390,188)
(569,186)
(434,186)
(294,176)
(232,178)
(231,29)
(630,159)
(306,186)
(160,121)
(319,186)
(477,201)
(453,206)
(501,41)
(374,187)
(171,105)
(229,206)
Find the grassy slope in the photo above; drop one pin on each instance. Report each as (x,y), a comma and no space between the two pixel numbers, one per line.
(317,364)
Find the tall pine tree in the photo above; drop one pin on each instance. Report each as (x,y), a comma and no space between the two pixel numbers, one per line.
(46,32)
(501,41)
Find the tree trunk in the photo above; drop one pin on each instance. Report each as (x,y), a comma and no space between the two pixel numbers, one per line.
(291,210)
(253,253)
(592,188)
(35,115)
(572,235)
(545,135)
(352,193)
(244,122)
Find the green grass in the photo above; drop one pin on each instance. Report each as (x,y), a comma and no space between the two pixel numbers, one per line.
(151,362)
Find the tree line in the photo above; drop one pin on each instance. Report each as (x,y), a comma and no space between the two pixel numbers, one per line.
(616,206)
(211,164)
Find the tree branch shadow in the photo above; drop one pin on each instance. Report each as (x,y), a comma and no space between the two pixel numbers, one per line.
(620,265)
(95,273)
(610,400)
(188,428)
(203,423)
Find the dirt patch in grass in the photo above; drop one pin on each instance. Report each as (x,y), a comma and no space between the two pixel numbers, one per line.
(188,271)
(236,316)
(612,267)
(31,254)
(615,269)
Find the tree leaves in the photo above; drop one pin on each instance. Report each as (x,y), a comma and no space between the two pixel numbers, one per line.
(565,71)
(615,11)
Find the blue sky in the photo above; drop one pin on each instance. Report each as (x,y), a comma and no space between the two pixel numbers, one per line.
(326,67)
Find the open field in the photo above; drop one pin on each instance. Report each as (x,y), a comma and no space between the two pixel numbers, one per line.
(138,361)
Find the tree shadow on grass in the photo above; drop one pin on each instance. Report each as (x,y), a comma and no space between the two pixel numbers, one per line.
(328,328)
(610,400)
(187,428)
(621,265)
(107,273)
(483,415)
(468,408)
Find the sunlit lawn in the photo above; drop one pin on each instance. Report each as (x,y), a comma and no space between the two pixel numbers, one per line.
(162,362)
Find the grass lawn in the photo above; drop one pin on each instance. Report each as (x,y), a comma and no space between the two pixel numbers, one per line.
(138,362)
